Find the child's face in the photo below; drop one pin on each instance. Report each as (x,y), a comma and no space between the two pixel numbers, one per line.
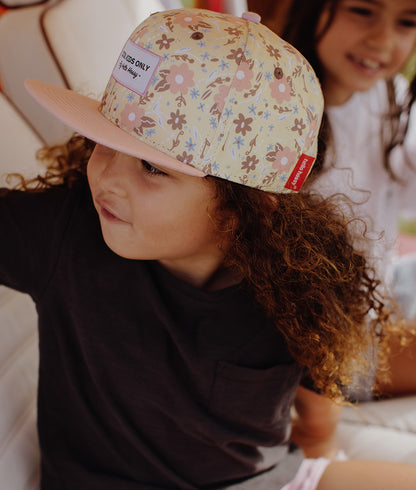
(152,213)
(367,40)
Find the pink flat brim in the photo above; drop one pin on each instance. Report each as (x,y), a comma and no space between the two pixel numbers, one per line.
(81,114)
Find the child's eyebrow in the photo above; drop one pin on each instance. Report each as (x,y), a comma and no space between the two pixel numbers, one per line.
(372,2)
(381,4)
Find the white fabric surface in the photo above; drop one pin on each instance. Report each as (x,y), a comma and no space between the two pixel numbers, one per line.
(18,143)
(19,448)
(20,30)
(382,430)
(88,45)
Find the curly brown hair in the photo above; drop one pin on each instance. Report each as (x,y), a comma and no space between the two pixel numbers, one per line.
(295,254)
(64,164)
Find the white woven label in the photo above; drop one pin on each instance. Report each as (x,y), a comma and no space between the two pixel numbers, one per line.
(136,67)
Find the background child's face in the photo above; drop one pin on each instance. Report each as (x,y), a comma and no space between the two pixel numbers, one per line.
(152,213)
(367,40)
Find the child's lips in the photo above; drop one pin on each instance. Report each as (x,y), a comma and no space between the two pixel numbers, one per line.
(108,212)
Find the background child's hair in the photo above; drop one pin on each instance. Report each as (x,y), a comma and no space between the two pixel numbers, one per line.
(295,255)
(301,31)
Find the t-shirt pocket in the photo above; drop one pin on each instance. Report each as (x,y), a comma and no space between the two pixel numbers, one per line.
(253,399)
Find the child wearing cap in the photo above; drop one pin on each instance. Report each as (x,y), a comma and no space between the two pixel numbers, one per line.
(187,289)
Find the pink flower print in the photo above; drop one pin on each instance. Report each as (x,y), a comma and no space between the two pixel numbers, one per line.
(281,90)
(165,42)
(219,98)
(187,20)
(249,163)
(284,159)
(176,120)
(131,116)
(299,126)
(242,124)
(180,78)
(243,76)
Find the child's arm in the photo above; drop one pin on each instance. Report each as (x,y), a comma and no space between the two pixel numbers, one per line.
(315,423)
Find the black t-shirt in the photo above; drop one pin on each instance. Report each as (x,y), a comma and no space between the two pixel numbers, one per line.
(145,381)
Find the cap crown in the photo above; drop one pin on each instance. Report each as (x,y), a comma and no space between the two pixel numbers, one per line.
(220,93)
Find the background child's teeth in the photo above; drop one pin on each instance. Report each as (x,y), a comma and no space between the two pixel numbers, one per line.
(370,64)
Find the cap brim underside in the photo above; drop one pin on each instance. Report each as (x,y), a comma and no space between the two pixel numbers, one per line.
(81,114)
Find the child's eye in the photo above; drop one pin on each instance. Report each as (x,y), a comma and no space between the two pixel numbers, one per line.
(407,23)
(363,12)
(150,169)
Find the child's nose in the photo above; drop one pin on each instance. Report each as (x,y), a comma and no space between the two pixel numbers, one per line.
(112,178)
(382,35)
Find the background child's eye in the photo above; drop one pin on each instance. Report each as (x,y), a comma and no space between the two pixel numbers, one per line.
(407,23)
(150,169)
(360,11)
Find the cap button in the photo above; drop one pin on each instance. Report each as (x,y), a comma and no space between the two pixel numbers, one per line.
(252,17)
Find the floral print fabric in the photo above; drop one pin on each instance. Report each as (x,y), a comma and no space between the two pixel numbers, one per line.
(228,97)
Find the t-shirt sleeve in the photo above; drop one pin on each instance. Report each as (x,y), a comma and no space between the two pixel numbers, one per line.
(32,230)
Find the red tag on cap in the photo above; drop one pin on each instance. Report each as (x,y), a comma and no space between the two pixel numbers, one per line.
(299,173)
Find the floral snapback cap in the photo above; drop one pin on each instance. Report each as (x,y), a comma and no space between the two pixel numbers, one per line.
(219,93)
